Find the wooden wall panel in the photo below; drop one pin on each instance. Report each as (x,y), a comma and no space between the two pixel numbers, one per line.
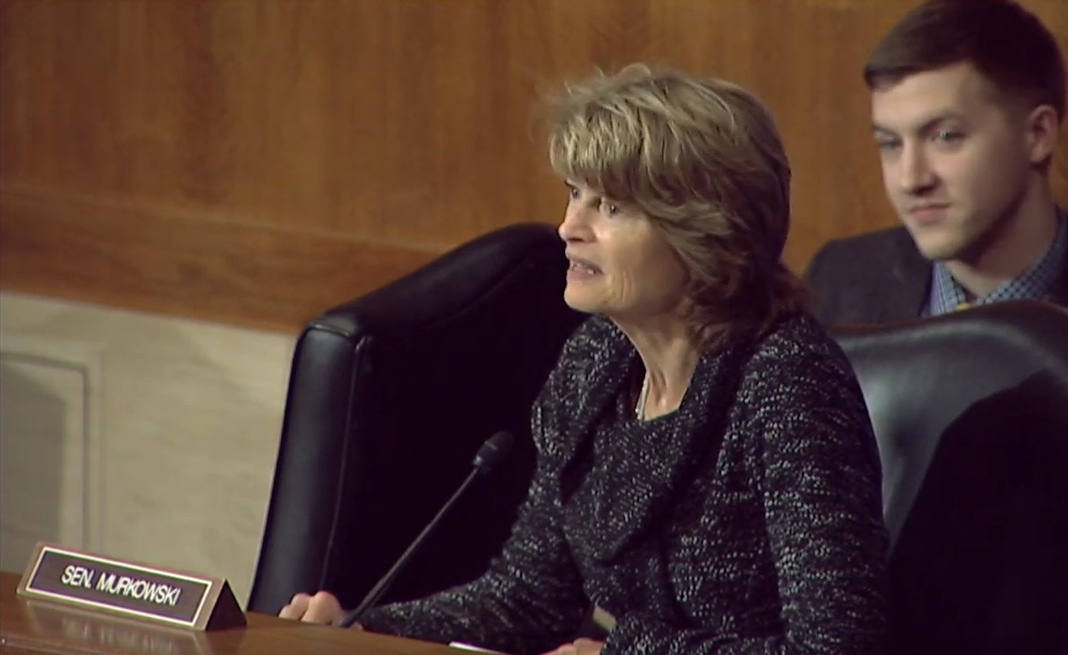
(133,256)
(255,161)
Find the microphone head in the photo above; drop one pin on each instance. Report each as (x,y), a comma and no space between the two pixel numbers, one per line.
(494,451)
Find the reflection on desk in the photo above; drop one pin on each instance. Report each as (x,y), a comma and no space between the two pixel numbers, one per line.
(82,629)
(36,626)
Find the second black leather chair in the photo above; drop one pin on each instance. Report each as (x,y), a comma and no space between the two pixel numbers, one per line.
(971,414)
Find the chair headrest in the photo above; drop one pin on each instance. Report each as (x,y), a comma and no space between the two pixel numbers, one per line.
(972,372)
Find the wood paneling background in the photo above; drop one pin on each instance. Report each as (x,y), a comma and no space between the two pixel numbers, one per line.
(255,161)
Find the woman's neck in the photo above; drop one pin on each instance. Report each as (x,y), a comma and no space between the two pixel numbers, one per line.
(670,356)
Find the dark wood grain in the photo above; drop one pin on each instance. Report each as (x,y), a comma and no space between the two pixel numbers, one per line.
(252,162)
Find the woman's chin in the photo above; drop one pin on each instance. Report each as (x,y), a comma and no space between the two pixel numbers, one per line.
(581,301)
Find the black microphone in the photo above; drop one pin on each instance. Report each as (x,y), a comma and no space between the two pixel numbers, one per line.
(489,456)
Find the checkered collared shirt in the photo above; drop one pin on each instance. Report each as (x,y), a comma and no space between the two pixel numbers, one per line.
(1036,283)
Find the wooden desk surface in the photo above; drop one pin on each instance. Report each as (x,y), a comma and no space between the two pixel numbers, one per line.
(34,626)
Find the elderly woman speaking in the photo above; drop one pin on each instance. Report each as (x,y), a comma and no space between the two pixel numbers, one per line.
(707,470)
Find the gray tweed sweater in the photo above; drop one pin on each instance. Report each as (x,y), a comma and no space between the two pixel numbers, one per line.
(748,521)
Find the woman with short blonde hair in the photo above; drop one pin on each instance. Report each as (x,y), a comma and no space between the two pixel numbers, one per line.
(707,471)
(703,161)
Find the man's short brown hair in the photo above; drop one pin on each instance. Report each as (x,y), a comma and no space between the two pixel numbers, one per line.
(1007,45)
(702,158)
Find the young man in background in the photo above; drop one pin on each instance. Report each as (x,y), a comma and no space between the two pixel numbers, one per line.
(968,97)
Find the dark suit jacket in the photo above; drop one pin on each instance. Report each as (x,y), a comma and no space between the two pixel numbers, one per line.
(748,521)
(877,277)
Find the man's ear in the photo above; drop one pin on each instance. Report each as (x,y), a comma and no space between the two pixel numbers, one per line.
(1042,127)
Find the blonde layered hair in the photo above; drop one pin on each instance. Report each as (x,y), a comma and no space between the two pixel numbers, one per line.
(702,159)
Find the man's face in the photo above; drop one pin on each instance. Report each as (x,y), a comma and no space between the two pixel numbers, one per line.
(955,159)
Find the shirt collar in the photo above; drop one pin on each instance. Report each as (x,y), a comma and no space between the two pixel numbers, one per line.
(1036,283)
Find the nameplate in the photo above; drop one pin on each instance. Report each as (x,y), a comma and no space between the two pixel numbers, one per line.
(131,589)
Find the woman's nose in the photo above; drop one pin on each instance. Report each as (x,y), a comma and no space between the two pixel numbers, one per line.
(576,223)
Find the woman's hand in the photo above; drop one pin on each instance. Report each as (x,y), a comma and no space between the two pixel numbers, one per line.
(323,608)
(579,647)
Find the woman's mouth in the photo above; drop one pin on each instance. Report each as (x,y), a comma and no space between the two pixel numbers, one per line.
(580,269)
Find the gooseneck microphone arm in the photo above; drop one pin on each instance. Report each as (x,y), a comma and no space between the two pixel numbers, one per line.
(492,453)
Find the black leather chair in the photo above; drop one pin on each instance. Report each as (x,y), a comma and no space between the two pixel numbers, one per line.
(391,395)
(971,415)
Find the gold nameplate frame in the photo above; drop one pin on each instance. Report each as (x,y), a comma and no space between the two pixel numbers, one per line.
(132,589)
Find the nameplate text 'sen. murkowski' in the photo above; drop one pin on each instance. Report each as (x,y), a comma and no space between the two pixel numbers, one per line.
(133,589)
